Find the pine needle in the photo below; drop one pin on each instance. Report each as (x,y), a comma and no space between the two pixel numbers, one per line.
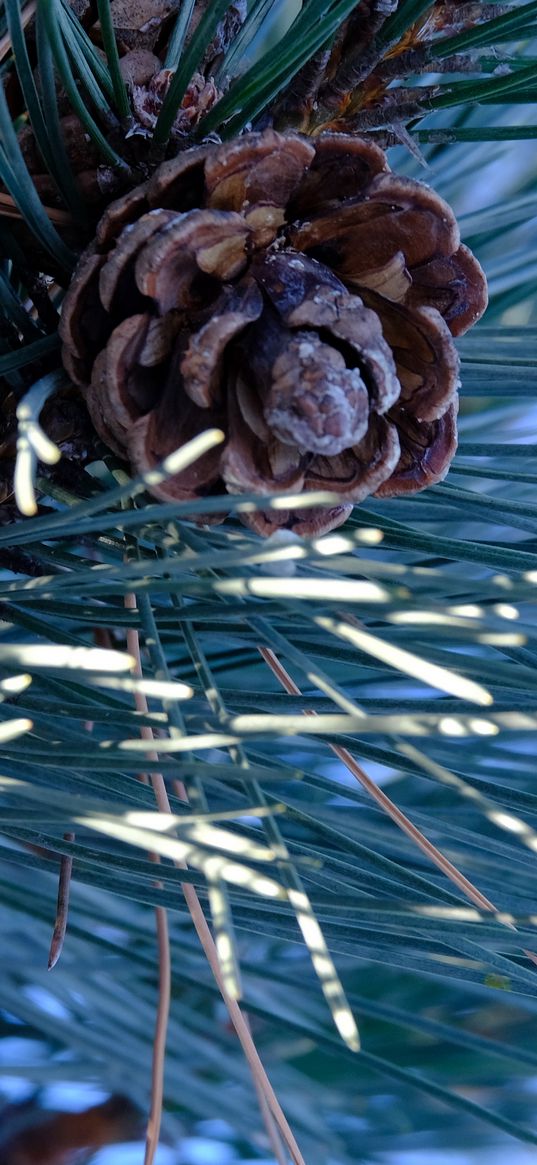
(26,15)
(9,209)
(381,798)
(62,908)
(163,938)
(239,1022)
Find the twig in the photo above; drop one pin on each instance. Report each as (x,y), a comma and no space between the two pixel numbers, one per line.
(435,855)
(356,52)
(163,937)
(161,1031)
(294,106)
(420,60)
(239,1021)
(261,1080)
(26,16)
(275,1140)
(439,859)
(268,1119)
(62,907)
(9,209)
(450,18)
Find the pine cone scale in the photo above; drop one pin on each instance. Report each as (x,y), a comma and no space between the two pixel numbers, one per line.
(257,464)
(406,224)
(116,276)
(342,168)
(320,341)
(201,367)
(134,387)
(358,473)
(269,172)
(170,268)
(442,283)
(166,428)
(83,321)
(425,450)
(121,212)
(179,182)
(425,358)
(105,418)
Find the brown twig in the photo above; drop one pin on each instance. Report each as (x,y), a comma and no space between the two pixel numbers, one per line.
(268,1119)
(357,53)
(275,1141)
(431,851)
(239,1022)
(396,106)
(9,209)
(419,60)
(450,18)
(261,1080)
(26,16)
(294,106)
(163,937)
(439,859)
(161,1032)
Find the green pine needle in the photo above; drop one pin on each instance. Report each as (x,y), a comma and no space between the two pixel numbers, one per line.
(433,693)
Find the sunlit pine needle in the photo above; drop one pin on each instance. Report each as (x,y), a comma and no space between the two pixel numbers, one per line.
(201,926)
(435,855)
(381,798)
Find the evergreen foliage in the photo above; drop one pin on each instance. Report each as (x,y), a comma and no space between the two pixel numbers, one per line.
(410,632)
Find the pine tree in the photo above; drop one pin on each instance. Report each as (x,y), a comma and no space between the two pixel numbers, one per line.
(232,296)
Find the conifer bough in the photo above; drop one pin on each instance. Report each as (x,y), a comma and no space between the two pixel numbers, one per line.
(295,293)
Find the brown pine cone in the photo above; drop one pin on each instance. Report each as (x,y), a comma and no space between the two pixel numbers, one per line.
(295,293)
(96,181)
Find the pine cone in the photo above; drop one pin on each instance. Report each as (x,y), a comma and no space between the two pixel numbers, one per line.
(96,181)
(295,293)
